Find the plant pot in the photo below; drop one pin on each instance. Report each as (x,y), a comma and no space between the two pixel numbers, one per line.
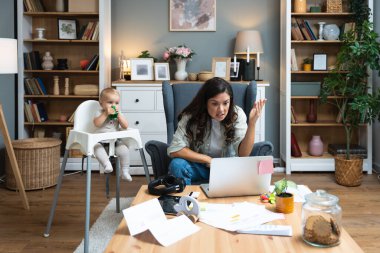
(348,172)
(285,204)
(307,66)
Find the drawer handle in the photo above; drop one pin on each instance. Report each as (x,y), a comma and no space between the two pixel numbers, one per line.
(137,122)
(137,100)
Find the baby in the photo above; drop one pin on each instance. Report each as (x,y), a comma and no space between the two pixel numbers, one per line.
(108,119)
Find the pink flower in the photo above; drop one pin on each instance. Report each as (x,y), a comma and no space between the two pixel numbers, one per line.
(179,52)
(166,55)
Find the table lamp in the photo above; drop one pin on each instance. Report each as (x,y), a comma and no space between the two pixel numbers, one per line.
(8,65)
(248,43)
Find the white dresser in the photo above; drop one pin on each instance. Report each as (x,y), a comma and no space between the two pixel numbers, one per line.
(141,102)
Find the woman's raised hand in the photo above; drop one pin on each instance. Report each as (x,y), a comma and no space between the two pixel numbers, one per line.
(256,110)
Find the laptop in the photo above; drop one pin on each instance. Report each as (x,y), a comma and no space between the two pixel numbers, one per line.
(239,176)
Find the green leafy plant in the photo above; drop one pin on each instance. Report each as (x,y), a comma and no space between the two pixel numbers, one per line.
(347,82)
(307,61)
(146,54)
(281,186)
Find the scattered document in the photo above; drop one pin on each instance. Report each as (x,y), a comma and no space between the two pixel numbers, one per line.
(237,216)
(150,216)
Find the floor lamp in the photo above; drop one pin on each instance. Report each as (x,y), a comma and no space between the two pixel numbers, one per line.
(8,65)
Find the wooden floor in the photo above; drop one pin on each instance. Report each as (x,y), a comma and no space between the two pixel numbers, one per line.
(22,231)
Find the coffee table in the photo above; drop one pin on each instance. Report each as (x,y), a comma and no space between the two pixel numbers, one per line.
(210,239)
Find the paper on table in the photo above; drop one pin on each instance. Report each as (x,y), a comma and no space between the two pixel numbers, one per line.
(173,230)
(237,216)
(299,193)
(149,215)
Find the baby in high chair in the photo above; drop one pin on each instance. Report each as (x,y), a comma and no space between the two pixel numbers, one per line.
(108,119)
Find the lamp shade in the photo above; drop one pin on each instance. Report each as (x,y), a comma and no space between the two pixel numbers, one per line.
(8,56)
(250,40)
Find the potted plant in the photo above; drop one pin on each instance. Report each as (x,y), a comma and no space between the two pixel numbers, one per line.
(307,64)
(347,84)
(284,200)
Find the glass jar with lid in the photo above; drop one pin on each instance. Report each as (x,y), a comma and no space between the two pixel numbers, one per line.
(321,219)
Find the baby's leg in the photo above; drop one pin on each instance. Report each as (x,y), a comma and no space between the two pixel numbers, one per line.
(122,152)
(102,156)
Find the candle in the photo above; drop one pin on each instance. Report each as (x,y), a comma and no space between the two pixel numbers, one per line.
(234,63)
(258,60)
(248,54)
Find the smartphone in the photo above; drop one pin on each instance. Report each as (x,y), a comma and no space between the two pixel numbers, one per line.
(167,203)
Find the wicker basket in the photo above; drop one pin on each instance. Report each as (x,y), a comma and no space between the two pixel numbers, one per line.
(348,172)
(38,161)
(334,6)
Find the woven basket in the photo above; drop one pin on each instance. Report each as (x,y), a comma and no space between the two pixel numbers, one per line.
(348,172)
(38,161)
(334,6)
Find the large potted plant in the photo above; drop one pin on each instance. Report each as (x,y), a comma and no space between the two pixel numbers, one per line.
(347,83)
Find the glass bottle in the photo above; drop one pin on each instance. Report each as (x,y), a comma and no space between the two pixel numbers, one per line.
(321,219)
(300,6)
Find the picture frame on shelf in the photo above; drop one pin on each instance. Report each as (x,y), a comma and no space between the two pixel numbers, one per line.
(234,74)
(67,29)
(141,69)
(221,67)
(320,62)
(186,16)
(161,71)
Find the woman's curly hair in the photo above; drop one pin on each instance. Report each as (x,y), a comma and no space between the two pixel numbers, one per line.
(200,120)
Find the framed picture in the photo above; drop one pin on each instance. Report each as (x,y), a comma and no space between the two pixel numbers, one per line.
(320,62)
(234,71)
(161,71)
(190,15)
(141,68)
(221,67)
(67,29)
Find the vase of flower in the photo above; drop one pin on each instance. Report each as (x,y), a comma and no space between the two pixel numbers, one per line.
(181,73)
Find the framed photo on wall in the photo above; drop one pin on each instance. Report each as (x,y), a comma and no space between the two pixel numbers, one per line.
(67,29)
(141,68)
(221,67)
(186,15)
(320,62)
(161,71)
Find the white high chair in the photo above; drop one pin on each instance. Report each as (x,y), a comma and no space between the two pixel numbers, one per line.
(83,137)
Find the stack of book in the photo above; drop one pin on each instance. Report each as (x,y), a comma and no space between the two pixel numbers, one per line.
(33,6)
(340,149)
(34,86)
(35,112)
(89,31)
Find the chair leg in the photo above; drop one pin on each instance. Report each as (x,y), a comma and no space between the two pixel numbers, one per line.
(83,157)
(117,185)
(88,201)
(107,185)
(56,193)
(142,155)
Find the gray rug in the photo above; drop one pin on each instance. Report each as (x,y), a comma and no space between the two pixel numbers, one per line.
(104,227)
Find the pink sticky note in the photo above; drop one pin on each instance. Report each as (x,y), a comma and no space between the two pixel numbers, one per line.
(265,167)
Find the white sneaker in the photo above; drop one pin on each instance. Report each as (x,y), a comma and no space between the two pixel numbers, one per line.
(108,168)
(125,174)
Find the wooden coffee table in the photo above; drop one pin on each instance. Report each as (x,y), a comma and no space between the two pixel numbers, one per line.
(210,239)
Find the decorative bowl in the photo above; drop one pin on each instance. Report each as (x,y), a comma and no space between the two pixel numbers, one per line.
(205,75)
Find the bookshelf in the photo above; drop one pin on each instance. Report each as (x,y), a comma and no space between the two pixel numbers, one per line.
(74,51)
(326,124)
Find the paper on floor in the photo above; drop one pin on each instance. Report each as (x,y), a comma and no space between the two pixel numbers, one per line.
(150,216)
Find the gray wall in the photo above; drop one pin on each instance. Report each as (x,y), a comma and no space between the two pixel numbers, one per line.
(7,81)
(376,81)
(139,25)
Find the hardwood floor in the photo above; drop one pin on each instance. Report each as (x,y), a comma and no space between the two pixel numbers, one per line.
(22,231)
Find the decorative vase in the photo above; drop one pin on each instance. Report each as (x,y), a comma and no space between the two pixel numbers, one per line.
(316,146)
(67,92)
(311,117)
(331,32)
(60,5)
(56,85)
(307,66)
(47,63)
(181,73)
(285,204)
(320,33)
(300,6)
(294,148)
(40,33)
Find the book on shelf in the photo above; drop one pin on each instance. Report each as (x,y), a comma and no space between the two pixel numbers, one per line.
(93,62)
(32,60)
(71,118)
(35,108)
(310,29)
(293,59)
(302,27)
(297,31)
(42,111)
(28,113)
(294,116)
(41,85)
(33,6)
(340,149)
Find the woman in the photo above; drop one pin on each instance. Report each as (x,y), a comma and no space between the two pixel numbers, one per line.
(211,126)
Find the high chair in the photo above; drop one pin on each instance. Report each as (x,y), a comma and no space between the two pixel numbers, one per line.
(83,137)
